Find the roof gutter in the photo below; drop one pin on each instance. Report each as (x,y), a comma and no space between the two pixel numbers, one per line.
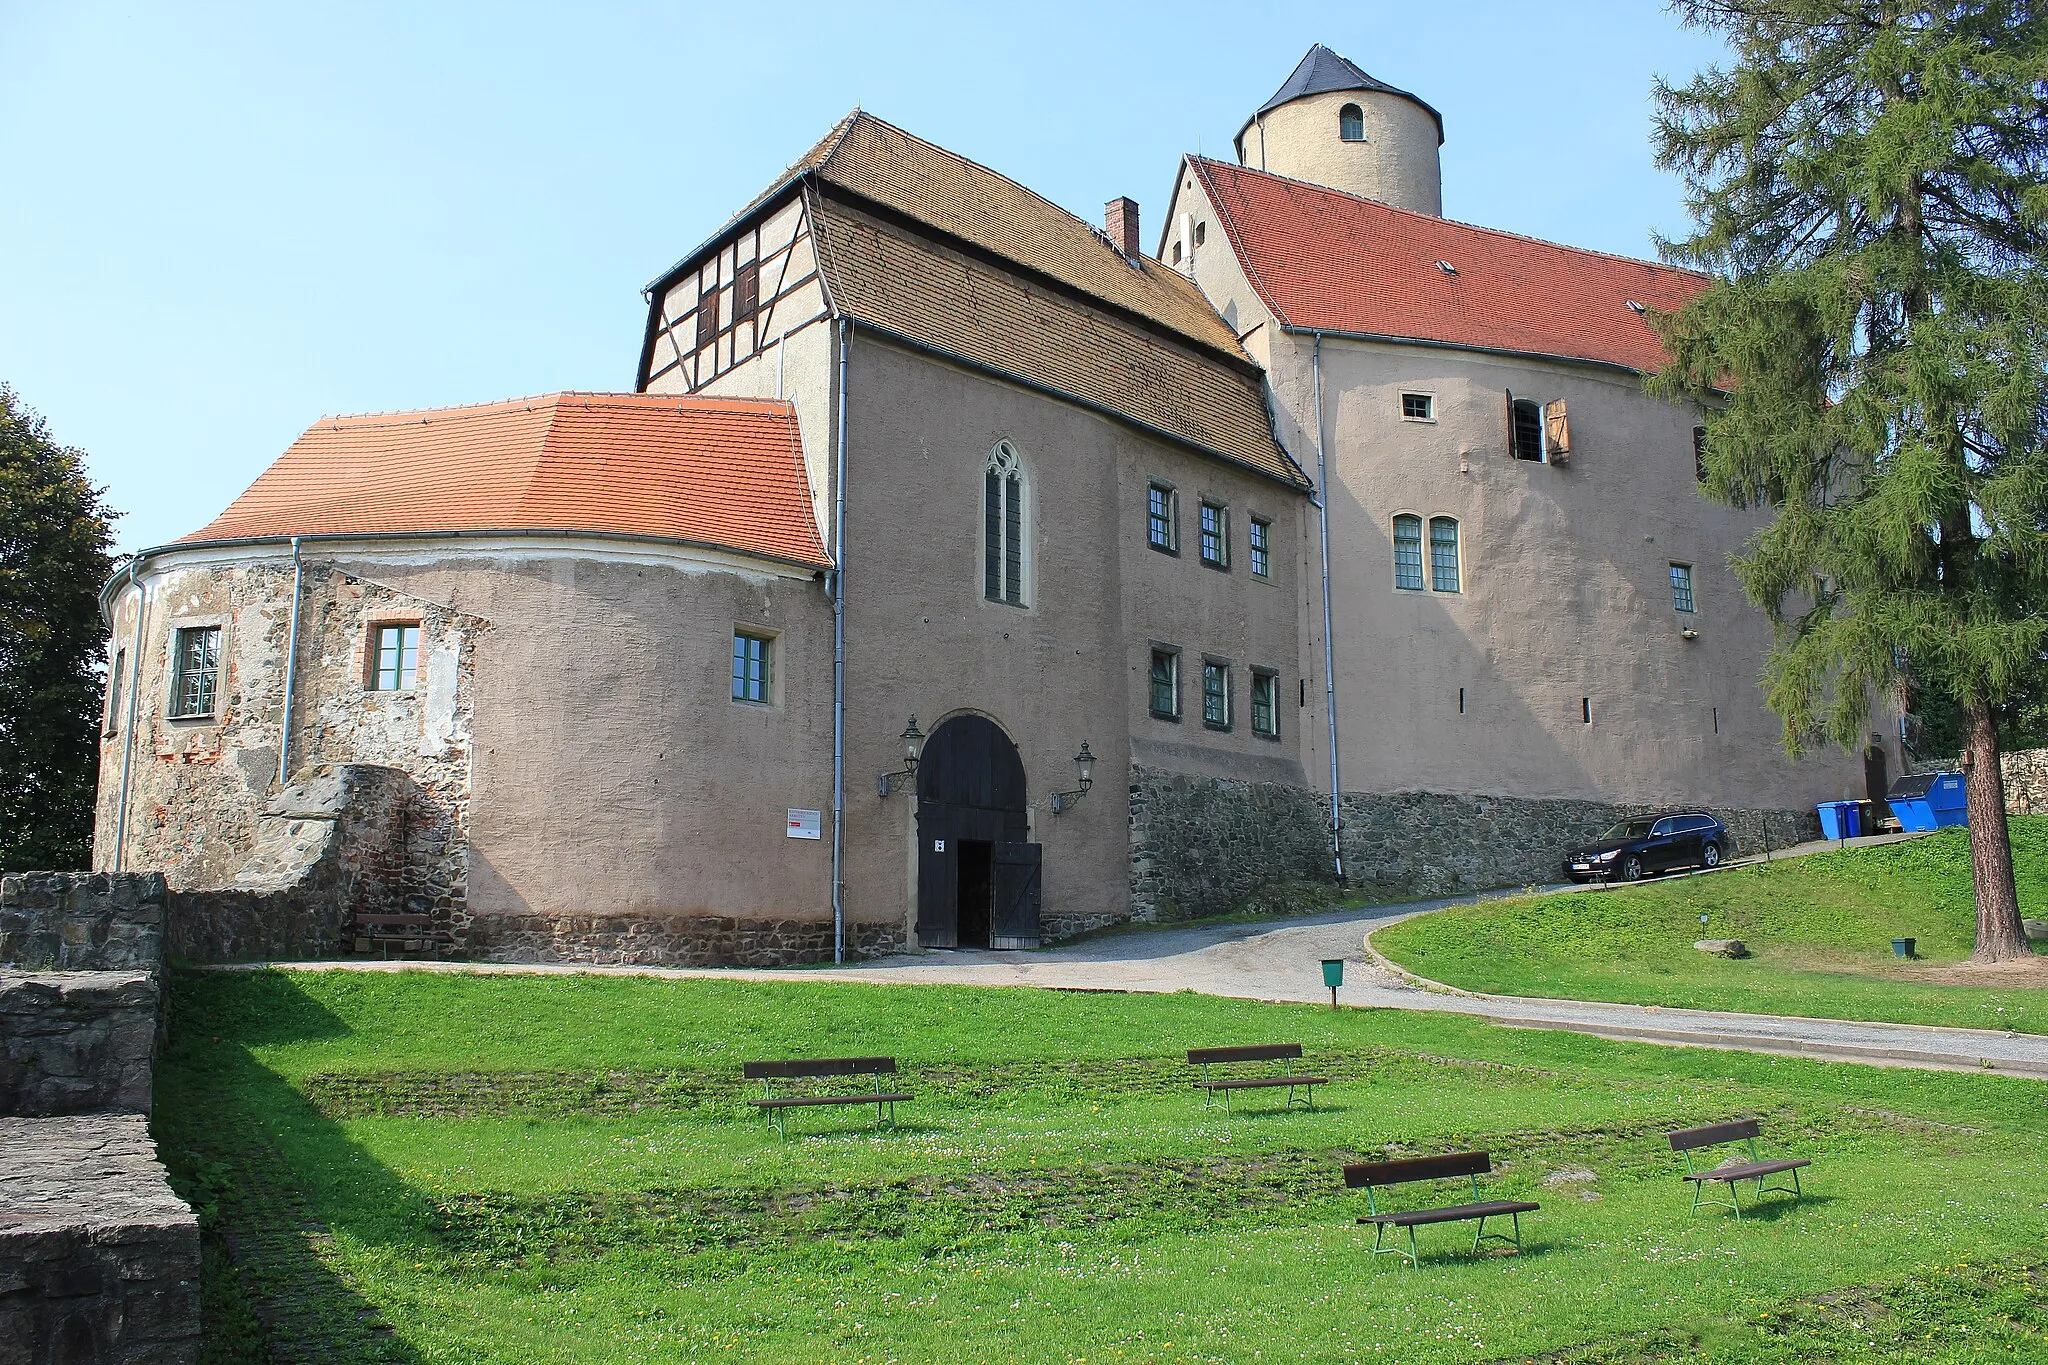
(141,557)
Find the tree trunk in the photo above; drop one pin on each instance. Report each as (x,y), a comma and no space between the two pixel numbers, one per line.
(2001,937)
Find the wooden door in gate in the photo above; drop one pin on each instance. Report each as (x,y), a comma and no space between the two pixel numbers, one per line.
(1014,892)
(970,785)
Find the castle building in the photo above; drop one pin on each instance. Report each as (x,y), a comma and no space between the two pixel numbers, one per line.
(958,574)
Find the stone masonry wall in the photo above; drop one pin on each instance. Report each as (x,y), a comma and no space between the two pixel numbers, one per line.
(2026,781)
(99,1261)
(74,921)
(76,1042)
(203,789)
(671,940)
(1205,846)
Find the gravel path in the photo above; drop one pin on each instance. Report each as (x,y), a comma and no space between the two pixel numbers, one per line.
(1283,963)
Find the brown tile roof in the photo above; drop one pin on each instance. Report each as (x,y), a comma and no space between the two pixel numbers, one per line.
(1330,261)
(725,472)
(881,162)
(947,301)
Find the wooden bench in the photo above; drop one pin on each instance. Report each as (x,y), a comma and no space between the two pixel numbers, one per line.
(813,1068)
(1283,1053)
(1376,1175)
(381,931)
(1690,1140)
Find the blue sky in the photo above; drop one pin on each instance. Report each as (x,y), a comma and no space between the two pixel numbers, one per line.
(227,221)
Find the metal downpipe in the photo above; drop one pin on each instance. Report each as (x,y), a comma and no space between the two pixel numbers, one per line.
(1329,646)
(839,660)
(291,669)
(128,726)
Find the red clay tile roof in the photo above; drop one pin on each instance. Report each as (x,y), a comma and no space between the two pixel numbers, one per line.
(1324,260)
(727,472)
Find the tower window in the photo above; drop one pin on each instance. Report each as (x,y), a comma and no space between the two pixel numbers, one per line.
(195,671)
(1681,588)
(1408,552)
(1351,123)
(1002,512)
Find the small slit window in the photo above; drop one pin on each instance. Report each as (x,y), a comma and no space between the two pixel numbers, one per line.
(1351,123)
(195,671)
(394,656)
(1408,553)
(1418,407)
(112,725)
(752,660)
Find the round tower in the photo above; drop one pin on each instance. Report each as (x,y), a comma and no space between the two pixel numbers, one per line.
(1332,124)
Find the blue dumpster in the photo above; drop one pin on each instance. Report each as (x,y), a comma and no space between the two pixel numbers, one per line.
(1924,801)
(1841,819)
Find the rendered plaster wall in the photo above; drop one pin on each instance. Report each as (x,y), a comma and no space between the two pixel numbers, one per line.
(1073,663)
(99,1261)
(1565,600)
(621,799)
(199,788)
(1397,163)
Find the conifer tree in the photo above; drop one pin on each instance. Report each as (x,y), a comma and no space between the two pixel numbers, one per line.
(54,533)
(1868,181)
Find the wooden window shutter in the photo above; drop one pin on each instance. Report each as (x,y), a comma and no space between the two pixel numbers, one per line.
(707,318)
(1557,432)
(746,292)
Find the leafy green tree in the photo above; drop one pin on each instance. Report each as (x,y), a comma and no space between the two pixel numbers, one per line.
(1866,180)
(55,528)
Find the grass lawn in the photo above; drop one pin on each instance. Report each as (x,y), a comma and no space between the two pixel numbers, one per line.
(1820,929)
(426,1167)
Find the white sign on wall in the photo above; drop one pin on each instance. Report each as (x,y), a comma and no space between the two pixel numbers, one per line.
(806,824)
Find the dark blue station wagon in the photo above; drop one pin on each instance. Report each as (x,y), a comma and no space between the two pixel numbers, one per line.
(1636,848)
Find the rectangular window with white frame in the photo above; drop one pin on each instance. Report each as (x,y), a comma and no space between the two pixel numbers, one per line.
(195,672)
(1215,535)
(1262,548)
(1165,684)
(1216,695)
(1162,531)
(1681,588)
(394,656)
(1265,704)
(753,662)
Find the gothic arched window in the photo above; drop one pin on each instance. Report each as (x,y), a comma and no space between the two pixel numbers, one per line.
(1351,123)
(1003,526)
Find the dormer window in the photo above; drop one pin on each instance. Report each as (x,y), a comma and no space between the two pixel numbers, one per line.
(1351,123)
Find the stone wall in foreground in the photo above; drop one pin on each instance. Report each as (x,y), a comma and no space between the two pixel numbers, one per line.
(1206,846)
(77,1042)
(81,921)
(2026,781)
(99,1261)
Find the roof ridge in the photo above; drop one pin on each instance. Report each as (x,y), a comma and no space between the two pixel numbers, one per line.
(1454,222)
(986,170)
(551,398)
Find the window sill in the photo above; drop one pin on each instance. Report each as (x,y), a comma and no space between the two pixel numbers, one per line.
(1421,421)
(1161,715)
(1271,736)
(1220,566)
(757,705)
(199,718)
(1173,550)
(1222,728)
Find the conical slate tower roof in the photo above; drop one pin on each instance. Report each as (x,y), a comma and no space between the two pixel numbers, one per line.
(1322,71)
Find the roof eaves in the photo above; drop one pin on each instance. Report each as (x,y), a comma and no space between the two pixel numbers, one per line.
(1308,329)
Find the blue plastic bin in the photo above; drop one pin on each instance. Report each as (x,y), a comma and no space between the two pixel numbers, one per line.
(1841,819)
(1925,801)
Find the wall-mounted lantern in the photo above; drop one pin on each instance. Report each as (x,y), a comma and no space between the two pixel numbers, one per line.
(1084,763)
(913,747)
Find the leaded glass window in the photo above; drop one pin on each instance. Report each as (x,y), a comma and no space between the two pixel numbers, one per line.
(1002,515)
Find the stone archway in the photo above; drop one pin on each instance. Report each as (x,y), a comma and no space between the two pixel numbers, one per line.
(977,871)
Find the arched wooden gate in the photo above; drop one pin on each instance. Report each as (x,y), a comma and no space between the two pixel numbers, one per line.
(977,871)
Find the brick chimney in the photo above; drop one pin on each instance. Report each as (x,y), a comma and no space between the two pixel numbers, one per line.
(1120,220)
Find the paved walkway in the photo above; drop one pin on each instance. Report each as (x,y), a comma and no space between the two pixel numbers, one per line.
(1283,963)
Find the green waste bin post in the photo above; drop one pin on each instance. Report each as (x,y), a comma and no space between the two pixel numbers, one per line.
(1333,977)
